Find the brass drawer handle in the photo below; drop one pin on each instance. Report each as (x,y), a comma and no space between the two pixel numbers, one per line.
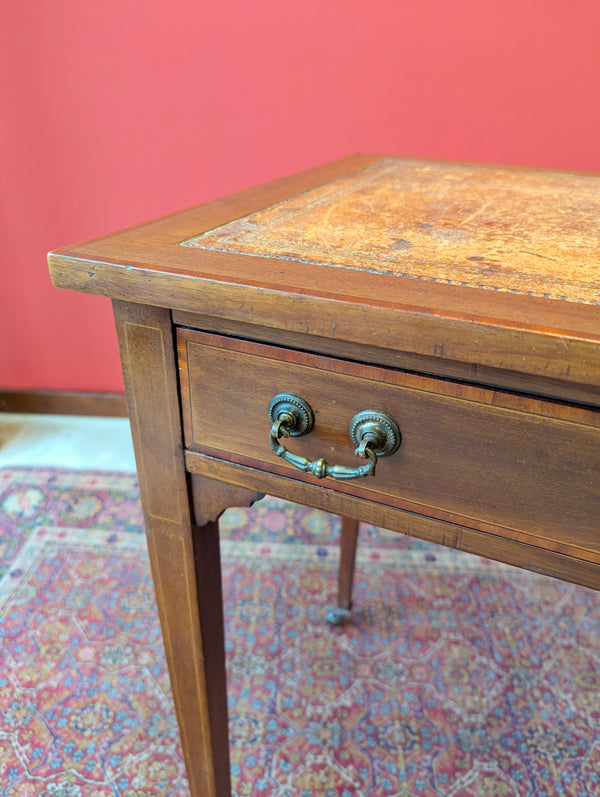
(374,433)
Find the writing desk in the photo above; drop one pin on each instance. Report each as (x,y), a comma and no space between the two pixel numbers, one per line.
(433,326)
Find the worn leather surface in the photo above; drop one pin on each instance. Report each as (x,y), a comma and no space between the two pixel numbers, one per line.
(522,231)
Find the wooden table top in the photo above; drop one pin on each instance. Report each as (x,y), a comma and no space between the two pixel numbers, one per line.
(526,232)
(491,266)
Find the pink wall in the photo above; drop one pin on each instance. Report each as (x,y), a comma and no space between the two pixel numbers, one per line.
(113,112)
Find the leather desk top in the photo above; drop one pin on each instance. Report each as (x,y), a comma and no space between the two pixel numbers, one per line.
(488,267)
(524,232)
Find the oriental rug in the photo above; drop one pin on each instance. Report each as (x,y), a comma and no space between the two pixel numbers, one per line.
(455,677)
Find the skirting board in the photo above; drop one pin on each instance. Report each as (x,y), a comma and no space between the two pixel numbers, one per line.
(63,403)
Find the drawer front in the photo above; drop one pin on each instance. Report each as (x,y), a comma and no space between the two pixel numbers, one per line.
(485,459)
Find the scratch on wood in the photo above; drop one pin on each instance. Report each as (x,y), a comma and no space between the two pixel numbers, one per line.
(474,215)
(535,254)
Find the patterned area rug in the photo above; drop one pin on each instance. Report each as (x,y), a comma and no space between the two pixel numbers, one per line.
(455,677)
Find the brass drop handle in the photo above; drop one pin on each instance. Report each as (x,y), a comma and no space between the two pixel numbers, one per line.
(374,433)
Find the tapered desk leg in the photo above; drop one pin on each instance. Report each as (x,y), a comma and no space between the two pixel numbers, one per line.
(207,556)
(184,558)
(348,545)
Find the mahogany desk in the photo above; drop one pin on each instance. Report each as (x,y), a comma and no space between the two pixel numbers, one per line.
(460,301)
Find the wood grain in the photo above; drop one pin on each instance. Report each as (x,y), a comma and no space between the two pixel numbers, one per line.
(511,551)
(62,402)
(177,551)
(348,548)
(396,358)
(514,465)
(210,498)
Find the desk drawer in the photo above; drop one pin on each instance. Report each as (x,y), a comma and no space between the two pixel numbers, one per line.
(501,462)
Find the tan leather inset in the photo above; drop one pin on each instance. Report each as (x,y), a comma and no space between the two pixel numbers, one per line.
(519,231)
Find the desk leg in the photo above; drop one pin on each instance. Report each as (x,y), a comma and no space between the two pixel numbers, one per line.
(184,558)
(209,587)
(348,544)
